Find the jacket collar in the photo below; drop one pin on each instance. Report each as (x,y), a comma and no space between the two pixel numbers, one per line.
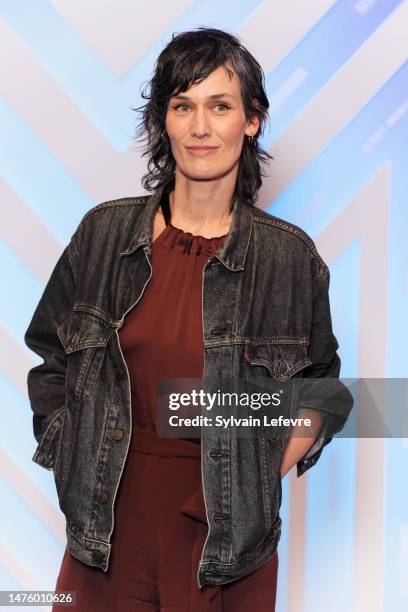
(234,249)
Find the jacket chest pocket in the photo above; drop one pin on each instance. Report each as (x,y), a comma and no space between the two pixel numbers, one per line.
(84,337)
(276,367)
(280,360)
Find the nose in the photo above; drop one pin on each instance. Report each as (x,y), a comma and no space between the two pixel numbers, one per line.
(200,126)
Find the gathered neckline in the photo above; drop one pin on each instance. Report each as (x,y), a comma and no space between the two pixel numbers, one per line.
(188,243)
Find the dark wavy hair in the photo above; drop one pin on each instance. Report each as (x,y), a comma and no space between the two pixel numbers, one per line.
(187,59)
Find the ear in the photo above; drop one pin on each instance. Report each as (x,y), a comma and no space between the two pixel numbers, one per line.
(253,122)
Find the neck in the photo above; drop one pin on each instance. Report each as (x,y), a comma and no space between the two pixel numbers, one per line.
(201,207)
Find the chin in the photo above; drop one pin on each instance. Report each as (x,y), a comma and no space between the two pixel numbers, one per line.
(204,174)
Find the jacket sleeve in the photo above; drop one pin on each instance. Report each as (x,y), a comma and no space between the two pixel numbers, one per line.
(321,388)
(46,382)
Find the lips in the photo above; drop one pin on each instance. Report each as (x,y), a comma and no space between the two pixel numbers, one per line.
(198,151)
(201,148)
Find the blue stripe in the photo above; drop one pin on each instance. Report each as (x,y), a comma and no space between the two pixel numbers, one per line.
(36,176)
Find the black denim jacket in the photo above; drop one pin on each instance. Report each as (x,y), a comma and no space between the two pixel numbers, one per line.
(265,313)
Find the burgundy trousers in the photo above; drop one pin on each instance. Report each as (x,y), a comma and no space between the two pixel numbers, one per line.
(159,532)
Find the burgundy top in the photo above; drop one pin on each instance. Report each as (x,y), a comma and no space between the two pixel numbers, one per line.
(162,336)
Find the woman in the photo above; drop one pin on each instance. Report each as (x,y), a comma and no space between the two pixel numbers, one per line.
(155,283)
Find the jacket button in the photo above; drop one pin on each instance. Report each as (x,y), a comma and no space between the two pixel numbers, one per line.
(218,516)
(215,454)
(119,372)
(280,367)
(217,330)
(117,434)
(103,497)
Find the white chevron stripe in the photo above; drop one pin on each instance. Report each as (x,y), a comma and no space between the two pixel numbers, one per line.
(340,100)
(132,26)
(58,122)
(368,217)
(32,496)
(20,574)
(21,229)
(275,28)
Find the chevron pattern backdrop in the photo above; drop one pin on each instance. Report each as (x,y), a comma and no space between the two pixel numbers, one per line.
(337,81)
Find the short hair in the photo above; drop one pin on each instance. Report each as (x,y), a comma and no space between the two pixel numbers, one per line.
(188,58)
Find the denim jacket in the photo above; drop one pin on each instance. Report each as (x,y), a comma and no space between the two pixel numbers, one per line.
(266,312)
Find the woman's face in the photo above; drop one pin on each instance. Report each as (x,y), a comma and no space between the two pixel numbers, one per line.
(202,117)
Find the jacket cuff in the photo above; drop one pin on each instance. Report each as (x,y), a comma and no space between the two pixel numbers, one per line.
(324,437)
(47,449)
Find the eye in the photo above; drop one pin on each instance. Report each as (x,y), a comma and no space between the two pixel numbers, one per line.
(178,106)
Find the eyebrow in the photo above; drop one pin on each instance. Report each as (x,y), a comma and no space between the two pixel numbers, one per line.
(212,97)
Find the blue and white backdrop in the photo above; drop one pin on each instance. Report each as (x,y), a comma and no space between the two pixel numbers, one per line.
(337,81)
